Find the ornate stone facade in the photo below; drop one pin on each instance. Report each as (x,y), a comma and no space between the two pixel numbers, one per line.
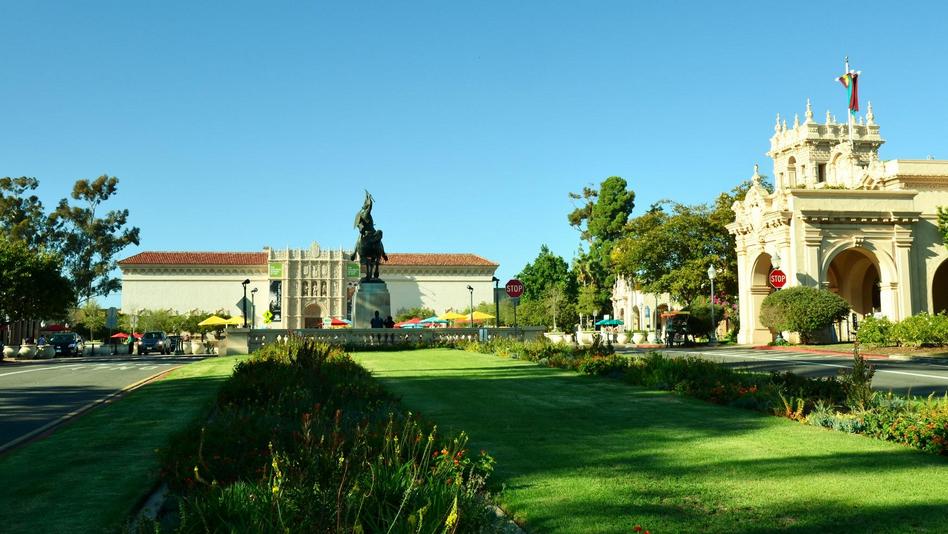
(842,219)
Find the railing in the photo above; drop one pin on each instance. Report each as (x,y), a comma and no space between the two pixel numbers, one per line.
(377,337)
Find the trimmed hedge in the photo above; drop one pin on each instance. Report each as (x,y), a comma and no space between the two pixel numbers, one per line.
(922,330)
(802,309)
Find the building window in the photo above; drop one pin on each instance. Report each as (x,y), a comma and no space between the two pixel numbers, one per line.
(821,173)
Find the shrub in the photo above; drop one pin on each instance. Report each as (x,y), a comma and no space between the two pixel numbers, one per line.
(699,322)
(857,382)
(921,330)
(875,332)
(613,365)
(805,310)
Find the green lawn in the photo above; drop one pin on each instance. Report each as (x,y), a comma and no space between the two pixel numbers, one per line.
(585,454)
(89,475)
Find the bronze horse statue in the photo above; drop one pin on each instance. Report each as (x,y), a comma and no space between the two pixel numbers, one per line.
(369,244)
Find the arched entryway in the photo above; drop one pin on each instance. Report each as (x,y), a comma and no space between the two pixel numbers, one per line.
(312,316)
(854,274)
(636,318)
(940,289)
(759,289)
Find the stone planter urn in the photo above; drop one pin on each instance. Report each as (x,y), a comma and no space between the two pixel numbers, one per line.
(638,338)
(48,351)
(27,351)
(10,351)
(186,347)
(197,347)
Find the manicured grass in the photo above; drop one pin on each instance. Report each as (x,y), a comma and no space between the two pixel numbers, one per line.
(89,475)
(587,454)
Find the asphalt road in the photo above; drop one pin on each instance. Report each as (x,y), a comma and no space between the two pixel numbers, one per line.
(36,393)
(902,377)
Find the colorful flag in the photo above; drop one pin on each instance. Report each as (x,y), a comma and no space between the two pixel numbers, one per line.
(850,82)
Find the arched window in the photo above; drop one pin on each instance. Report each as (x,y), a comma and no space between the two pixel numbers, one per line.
(792,172)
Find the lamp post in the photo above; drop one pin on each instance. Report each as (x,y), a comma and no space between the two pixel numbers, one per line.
(496,282)
(471,290)
(244,302)
(712,274)
(253,308)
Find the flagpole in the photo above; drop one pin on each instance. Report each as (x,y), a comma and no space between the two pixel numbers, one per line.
(852,144)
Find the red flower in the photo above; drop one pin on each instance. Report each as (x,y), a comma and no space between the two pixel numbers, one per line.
(637,528)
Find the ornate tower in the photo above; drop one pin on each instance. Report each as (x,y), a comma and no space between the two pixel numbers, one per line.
(812,155)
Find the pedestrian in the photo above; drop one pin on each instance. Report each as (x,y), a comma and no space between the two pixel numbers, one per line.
(389,322)
(42,340)
(377,321)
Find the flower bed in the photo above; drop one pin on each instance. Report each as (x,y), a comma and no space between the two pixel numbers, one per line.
(303,439)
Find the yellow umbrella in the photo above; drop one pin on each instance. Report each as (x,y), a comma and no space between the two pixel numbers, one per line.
(213,321)
(478,316)
(234,321)
(451,316)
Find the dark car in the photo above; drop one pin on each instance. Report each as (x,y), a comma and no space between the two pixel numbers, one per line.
(155,342)
(67,344)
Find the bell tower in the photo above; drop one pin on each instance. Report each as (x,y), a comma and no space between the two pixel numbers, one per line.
(812,155)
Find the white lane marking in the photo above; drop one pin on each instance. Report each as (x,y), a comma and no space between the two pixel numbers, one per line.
(150,367)
(920,375)
(32,370)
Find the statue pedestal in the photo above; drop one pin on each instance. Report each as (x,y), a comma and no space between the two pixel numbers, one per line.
(370,297)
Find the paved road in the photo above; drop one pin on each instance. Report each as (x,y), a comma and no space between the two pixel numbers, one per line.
(35,393)
(915,377)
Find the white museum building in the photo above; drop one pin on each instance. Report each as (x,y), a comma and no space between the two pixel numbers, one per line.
(297,288)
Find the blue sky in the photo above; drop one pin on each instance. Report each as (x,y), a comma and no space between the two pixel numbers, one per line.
(235,125)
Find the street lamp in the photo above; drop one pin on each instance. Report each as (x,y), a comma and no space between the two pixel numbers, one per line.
(243,303)
(496,282)
(253,309)
(471,289)
(712,274)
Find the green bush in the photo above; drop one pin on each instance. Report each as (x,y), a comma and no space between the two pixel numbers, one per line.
(875,332)
(303,439)
(805,310)
(921,330)
(699,322)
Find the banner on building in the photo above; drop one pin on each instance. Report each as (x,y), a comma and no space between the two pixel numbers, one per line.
(352,270)
(276,269)
(276,298)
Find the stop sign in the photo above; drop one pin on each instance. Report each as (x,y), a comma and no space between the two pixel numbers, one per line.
(514,288)
(777,278)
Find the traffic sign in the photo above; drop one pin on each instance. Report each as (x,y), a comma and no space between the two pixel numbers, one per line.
(514,288)
(777,278)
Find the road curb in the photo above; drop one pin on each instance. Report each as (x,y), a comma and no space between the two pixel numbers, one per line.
(823,352)
(52,425)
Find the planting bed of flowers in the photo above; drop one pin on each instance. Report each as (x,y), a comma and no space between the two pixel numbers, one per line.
(845,402)
(303,439)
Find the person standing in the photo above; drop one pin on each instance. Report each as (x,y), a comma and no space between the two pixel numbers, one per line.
(377,321)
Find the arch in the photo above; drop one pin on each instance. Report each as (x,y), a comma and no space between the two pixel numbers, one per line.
(939,287)
(884,261)
(854,274)
(752,330)
(792,171)
(312,316)
(636,318)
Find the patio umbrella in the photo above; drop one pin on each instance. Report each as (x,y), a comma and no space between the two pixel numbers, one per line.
(136,335)
(120,335)
(609,322)
(451,316)
(213,321)
(478,316)
(341,323)
(234,321)
(433,320)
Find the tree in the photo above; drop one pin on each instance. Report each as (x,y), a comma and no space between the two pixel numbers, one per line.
(539,277)
(89,243)
(802,309)
(553,299)
(32,284)
(418,311)
(943,224)
(22,217)
(601,221)
(91,316)
(669,248)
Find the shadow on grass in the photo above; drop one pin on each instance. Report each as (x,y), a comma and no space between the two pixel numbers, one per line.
(579,453)
(90,474)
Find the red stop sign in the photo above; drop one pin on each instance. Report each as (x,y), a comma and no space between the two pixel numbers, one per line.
(777,278)
(514,288)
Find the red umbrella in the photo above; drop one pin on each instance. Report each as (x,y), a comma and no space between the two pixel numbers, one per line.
(120,335)
(338,322)
(413,320)
(137,335)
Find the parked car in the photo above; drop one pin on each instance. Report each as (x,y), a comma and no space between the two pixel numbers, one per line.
(155,342)
(67,344)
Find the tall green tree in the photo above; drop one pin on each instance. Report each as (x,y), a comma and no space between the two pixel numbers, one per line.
(32,283)
(89,317)
(943,224)
(601,219)
(547,275)
(88,242)
(22,217)
(669,248)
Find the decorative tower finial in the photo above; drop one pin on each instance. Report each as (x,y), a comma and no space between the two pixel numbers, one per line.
(870,116)
(785,124)
(777,126)
(809,112)
(829,118)
(796,120)
(756,177)
(860,121)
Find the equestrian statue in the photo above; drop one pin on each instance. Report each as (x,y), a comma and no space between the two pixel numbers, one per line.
(369,244)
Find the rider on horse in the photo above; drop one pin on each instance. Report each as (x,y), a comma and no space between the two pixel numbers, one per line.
(369,244)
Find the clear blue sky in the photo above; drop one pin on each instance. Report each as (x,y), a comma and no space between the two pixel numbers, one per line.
(469,122)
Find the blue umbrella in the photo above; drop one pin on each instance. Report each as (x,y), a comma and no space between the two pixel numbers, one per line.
(609,322)
(433,319)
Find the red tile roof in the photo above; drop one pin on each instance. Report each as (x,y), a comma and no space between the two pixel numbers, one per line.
(196,258)
(439,260)
(260,258)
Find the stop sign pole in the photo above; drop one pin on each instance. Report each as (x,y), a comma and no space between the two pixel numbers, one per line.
(514,290)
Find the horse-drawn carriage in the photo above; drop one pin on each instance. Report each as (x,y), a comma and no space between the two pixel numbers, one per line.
(676,328)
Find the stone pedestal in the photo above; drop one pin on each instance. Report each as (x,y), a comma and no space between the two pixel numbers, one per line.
(370,297)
